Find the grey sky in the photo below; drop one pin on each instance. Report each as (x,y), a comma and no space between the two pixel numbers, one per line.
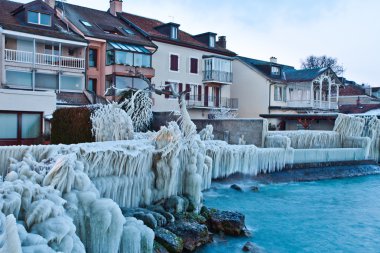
(290,30)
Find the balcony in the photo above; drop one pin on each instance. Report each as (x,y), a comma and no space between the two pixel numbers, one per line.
(217,76)
(314,104)
(211,102)
(44,59)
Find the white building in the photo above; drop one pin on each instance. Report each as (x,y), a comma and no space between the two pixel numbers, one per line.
(199,63)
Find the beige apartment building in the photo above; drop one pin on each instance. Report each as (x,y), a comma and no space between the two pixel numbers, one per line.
(197,63)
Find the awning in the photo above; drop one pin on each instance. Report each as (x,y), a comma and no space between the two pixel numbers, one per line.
(129,47)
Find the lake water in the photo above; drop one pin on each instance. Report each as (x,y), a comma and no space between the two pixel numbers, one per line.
(325,216)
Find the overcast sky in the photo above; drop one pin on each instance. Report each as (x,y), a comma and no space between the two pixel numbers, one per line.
(290,30)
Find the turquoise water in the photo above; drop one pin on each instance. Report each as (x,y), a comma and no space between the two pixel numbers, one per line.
(326,216)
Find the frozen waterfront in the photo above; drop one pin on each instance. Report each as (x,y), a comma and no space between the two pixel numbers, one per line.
(325,216)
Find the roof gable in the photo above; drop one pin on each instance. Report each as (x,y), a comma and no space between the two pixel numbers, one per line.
(103,25)
(13,18)
(149,26)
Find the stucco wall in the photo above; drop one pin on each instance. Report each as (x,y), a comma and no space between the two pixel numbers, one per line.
(252,89)
(231,130)
(161,61)
(28,101)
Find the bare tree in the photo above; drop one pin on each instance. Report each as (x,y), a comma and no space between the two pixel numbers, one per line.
(323,61)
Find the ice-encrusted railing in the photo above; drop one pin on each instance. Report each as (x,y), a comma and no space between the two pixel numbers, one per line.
(353,137)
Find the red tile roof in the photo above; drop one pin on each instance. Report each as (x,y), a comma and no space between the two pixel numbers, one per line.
(354,109)
(351,90)
(14,23)
(148,25)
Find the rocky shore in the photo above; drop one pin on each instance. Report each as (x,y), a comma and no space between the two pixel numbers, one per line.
(178,228)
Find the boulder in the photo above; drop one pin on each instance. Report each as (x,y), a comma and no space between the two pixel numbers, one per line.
(169,240)
(159,209)
(193,234)
(147,218)
(190,217)
(252,248)
(176,204)
(229,223)
(158,248)
(236,187)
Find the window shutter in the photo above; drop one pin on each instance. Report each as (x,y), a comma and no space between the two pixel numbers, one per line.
(194,66)
(188,90)
(206,96)
(199,93)
(179,87)
(174,62)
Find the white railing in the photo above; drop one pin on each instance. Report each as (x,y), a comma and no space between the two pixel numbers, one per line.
(72,62)
(299,103)
(325,105)
(44,59)
(18,56)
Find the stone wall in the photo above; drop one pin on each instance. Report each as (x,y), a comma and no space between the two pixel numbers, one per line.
(231,130)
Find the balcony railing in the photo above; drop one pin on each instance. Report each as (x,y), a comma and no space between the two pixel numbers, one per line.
(217,76)
(211,102)
(325,105)
(315,104)
(299,103)
(44,59)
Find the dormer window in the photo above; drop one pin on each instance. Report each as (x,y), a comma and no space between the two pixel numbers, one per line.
(39,18)
(275,71)
(174,33)
(212,41)
(84,22)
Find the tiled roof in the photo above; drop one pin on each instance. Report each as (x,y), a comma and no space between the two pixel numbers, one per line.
(148,25)
(70,98)
(354,109)
(265,67)
(303,75)
(17,23)
(102,21)
(351,90)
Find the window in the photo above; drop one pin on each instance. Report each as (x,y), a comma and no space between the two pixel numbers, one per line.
(19,78)
(174,33)
(146,61)
(18,126)
(194,65)
(85,23)
(39,18)
(46,81)
(91,85)
(92,57)
(128,31)
(137,61)
(279,93)
(124,82)
(275,71)
(8,125)
(174,62)
(72,83)
(212,41)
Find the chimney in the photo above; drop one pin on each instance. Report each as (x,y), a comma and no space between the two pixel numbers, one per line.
(273,59)
(222,42)
(51,3)
(116,6)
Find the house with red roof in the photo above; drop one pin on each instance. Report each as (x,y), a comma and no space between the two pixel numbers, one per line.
(200,64)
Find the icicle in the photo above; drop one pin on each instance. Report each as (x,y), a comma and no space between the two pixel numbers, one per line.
(206,133)
(110,123)
(9,238)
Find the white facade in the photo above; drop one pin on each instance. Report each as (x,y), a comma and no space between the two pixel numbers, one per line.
(259,94)
(218,92)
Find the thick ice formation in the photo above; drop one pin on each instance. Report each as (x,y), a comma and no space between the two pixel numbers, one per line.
(110,123)
(246,159)
(304,139)
(206,133)
(361,126)
(139,108)
(50,221)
